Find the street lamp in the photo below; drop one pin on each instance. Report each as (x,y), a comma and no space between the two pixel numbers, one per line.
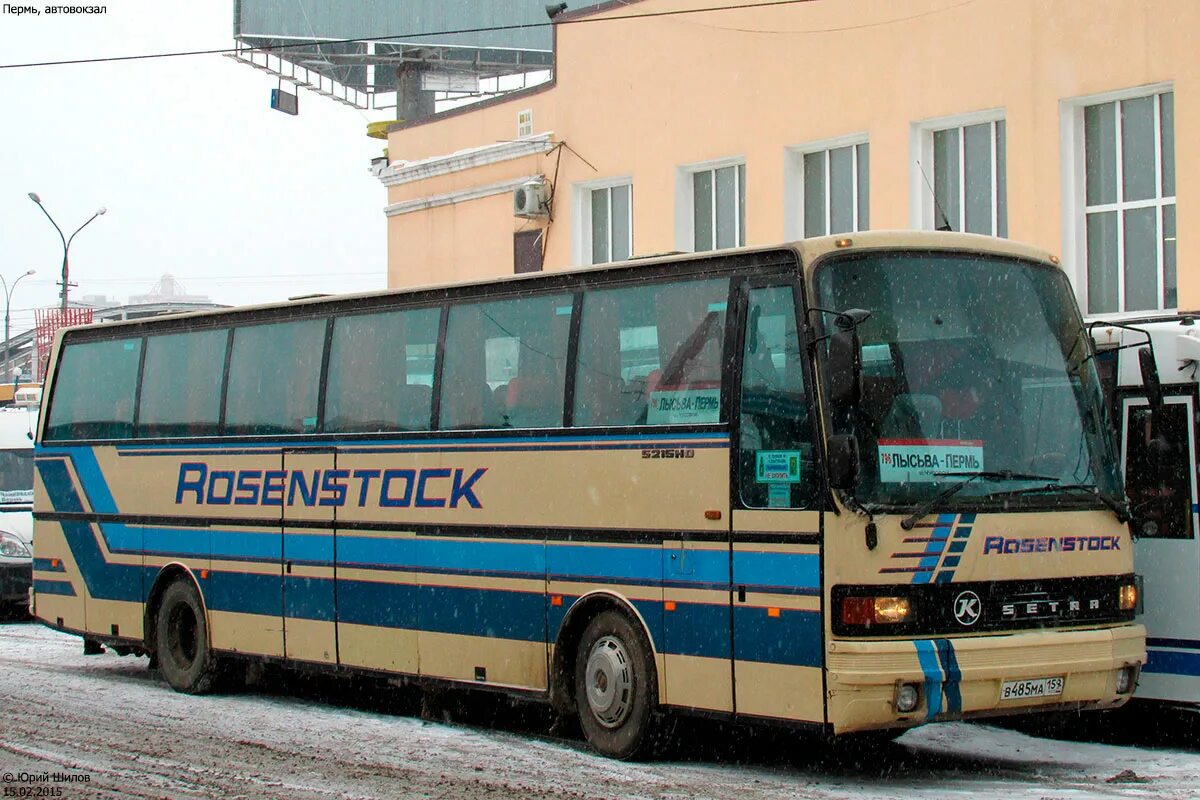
(8,292)
(66,240)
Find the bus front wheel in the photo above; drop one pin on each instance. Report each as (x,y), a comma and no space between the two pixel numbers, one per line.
(181,638)
(615,686)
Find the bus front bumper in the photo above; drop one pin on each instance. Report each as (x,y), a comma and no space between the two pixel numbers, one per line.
(967,677)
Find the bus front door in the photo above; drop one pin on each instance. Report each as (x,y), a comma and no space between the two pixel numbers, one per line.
(775,547)
(1160,479)
(309,563)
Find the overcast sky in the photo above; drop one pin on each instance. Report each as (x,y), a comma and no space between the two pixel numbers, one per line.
(201,178)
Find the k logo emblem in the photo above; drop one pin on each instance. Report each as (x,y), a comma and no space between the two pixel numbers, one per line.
(968,608)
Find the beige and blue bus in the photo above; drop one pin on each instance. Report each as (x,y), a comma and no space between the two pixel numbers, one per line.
(846,485)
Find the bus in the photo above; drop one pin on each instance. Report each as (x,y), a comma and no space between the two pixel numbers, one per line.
(847,485)
(16,502)
(1159,465)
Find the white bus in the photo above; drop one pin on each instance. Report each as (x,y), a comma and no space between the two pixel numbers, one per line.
(1159,461)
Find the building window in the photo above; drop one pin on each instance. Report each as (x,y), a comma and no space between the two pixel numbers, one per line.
(525,123)
(712,206)
(969,185)
(1129,203)
(604,225)
(836,191)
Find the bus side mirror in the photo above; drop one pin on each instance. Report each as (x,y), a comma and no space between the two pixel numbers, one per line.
(845,368)
(1150,380)
(843,461)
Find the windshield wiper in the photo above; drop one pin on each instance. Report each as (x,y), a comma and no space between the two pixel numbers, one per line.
(1116,506)
(994,475)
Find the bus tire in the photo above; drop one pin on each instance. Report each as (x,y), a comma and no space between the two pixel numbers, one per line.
(181,640)
(615,687)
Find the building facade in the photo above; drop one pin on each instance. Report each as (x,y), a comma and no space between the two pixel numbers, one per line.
(1062,124)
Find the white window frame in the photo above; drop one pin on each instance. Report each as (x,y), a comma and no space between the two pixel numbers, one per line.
(581,223)
(793,180)
(1074,191)
(921,211)
(685,206)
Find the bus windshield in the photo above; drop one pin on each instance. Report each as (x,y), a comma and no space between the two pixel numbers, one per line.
(972,365)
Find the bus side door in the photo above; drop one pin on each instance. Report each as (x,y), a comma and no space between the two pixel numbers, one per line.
(309,571)
(1161,484)
(776,578)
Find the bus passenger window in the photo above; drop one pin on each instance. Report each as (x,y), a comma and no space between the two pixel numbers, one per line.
(175,364)
(651,355)
(274,378)
(505,364)
(94,390)
(775,451)
(381,372)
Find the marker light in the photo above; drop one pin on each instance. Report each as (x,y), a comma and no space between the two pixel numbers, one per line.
(844,242)
(1126,679)
(1128,597)
(869,611)
(908,697)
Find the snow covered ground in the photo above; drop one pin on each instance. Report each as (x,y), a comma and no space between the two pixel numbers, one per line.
(109,719)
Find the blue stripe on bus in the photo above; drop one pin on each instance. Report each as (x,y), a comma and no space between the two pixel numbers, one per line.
(1172,662)
(359,446)
(927,656)
(1178,644)
(48,565)
(45,586)
(794,637)
(949,665)
(784,570)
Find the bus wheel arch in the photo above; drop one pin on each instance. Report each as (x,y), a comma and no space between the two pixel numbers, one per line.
(177,632)
(618,640)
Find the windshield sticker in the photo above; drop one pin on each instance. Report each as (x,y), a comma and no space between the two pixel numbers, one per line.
(684,406)
(779,495)
(919,460)
(778,466)
(16,496)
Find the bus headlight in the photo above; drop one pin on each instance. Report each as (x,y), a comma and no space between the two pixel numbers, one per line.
(869,611)
(1128,596)
(13,547)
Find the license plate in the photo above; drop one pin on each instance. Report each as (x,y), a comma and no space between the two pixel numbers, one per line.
(1039,687)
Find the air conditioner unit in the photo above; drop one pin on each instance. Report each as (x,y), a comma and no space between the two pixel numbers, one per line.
(530,199)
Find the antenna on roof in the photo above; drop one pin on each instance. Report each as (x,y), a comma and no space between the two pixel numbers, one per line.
(945,225)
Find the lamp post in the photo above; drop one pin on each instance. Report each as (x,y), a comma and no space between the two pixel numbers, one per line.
(8,292)
(66,240)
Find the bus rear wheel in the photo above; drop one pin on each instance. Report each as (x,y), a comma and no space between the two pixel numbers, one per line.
(181,638)
(615,687)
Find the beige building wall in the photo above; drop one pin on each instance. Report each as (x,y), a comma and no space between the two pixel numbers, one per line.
(643,98)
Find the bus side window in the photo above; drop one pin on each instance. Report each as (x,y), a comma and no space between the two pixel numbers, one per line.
(505,364)
(175,364)
(381,372)
(651,354)
(775,452)
(274,378)
(94,390)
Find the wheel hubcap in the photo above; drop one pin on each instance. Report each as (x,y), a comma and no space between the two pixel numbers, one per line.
(609,682)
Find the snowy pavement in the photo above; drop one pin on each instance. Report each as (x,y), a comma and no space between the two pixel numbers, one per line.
(120,732)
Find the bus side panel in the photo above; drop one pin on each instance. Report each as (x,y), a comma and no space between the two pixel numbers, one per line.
(103,561)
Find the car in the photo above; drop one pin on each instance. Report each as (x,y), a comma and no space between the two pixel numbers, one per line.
(17,425)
